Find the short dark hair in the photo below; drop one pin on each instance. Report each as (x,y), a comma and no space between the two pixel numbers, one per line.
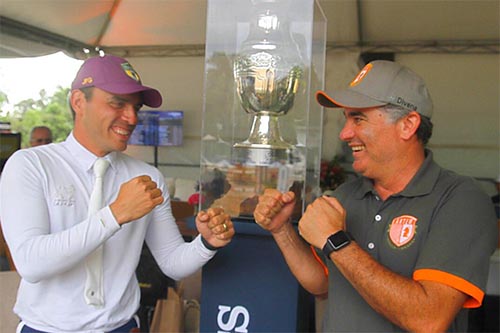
(87,92)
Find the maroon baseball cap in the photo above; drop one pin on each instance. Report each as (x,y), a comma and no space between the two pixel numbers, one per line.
(116,76)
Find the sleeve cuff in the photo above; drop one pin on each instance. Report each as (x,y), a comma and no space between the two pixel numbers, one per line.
(207,245)
(475,294)
(201,248)
(107,220)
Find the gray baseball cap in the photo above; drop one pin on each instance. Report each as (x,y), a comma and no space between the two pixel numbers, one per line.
(379,83)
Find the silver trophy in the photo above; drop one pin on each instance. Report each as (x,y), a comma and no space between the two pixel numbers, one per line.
(267,72)
(262,134)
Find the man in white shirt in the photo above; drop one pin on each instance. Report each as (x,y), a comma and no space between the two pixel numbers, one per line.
(44,198)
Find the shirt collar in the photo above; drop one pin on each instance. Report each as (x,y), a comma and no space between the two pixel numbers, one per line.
(84,157)
(425,179)
(421,184)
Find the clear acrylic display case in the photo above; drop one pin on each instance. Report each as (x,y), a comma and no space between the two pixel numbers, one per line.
(262,127)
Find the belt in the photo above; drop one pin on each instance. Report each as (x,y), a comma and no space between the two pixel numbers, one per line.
(132,326)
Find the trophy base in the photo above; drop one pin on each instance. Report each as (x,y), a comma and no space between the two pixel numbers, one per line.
(237,187)
(260,154)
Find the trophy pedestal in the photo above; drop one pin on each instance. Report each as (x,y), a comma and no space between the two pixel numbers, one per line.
(255,154)
(264,146)
(249,281)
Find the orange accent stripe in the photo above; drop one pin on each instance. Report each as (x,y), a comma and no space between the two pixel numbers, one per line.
(476,294)
(318,259)
(336,103)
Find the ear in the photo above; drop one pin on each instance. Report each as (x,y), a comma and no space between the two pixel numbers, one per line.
(409,125)
(77,100)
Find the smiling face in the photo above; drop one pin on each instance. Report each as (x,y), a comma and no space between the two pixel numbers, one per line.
(373,138)
(104,122)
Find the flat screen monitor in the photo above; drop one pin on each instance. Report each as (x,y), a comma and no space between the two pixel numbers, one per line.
(9,143)
(158,128)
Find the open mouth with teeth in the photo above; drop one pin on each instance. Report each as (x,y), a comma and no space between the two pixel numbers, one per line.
(357,148)
(122,131)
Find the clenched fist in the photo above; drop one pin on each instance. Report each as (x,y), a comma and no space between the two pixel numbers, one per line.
(136,198)
(274,209)
(215,227)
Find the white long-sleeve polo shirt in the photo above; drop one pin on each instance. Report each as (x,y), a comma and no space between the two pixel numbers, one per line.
(44,196)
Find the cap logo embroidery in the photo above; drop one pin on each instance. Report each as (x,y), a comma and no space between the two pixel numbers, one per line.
(361,75)
(407,105)
(87,80)
(130,71)
(402,230)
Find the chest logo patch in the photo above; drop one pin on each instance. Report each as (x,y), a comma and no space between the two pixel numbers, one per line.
(402,230)
(64,195)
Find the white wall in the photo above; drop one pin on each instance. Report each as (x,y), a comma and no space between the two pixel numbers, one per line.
(465,90)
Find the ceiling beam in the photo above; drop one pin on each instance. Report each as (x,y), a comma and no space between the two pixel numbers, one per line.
(109,17)
(190,50)
(443,47)
(40,36)
(77,48)
(436,46)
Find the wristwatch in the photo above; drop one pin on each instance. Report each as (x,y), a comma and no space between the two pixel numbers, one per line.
(336,241)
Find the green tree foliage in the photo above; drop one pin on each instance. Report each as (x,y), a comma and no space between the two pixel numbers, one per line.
(3,99)
(51,111)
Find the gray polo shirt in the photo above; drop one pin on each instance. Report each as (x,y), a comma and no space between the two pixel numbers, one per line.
(441,227)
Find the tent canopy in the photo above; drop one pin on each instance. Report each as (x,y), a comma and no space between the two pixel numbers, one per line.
(177,27)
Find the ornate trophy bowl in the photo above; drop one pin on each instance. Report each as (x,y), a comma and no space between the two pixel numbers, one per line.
(267,75)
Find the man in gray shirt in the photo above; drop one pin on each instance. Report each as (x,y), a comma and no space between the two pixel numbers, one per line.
(407,245)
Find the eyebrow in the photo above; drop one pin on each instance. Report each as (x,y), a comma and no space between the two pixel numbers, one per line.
(354,113)
(117,98)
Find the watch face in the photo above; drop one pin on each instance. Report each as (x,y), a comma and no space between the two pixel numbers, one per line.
(339,240)
(335,242)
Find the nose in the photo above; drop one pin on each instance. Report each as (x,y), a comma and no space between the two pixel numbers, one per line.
(130,114)
(346,134)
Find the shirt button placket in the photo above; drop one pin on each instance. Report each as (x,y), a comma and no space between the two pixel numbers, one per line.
(371,245)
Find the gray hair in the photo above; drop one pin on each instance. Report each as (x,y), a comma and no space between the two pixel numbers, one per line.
(424,131)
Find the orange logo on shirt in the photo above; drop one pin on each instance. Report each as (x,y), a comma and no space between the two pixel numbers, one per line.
(402,230)
(357,80)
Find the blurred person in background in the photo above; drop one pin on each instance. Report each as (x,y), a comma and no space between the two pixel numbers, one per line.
(40,135)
